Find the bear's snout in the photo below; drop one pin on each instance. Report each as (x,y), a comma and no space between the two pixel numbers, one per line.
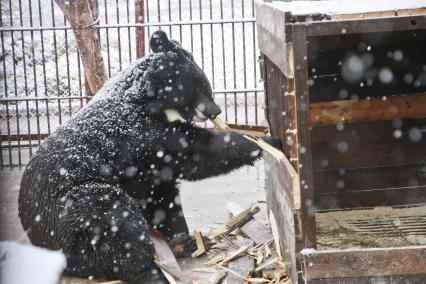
(208,109)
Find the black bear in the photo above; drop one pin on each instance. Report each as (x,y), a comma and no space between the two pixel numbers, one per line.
(101,181)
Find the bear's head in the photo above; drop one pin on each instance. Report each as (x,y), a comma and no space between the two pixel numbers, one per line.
(173,81)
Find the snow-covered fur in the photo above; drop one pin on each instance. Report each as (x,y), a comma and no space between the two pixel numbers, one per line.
(100,182)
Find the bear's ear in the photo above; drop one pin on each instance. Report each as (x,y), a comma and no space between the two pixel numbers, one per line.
(159,42)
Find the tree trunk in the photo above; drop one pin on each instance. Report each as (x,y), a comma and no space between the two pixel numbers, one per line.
(79,15)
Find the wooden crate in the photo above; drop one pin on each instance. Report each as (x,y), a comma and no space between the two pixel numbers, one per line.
(346,92)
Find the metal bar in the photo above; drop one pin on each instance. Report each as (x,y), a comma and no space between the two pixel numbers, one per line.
(170,18)
(234,67)
(135,25)
(8,133)
(211,43)
(244,63)
(107,38)
(52,98)
(191,27)
(117,11)
(223,60)
(5,83)
(147,20)
(13,52)
(43,64)
(24,137)
(56,60)
(180,19)
(34,74)
(201,34)
(68,66)
(24,65)
(29,128)
(254,61)
(140,31)
(129,41)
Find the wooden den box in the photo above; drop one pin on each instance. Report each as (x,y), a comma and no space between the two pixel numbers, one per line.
(346,92)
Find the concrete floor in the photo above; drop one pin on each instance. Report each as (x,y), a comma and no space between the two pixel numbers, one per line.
(204,202)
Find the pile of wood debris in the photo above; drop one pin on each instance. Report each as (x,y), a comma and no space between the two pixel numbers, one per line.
(242,250)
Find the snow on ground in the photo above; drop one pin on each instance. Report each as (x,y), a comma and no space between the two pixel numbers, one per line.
(29,264)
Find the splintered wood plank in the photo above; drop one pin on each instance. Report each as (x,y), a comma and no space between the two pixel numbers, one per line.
(277,189)
(242,265)
(348,111)
(201,247)
(364,262)
(166,261)
(235,222)
(258,131)
(253,229)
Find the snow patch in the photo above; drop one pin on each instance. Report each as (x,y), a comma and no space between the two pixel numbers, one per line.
(29,264)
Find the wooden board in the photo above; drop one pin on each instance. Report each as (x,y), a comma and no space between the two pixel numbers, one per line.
(411,279)
(348,111)
(280,203)
(374,25)
(303,126)
(369,187)
(371,198)
(397,53)
(372,144)
(280,108)
(364,262)
(369,178)
(271,36)
(334,8)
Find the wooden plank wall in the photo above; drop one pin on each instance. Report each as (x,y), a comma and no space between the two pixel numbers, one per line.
(368,137)
(280,108)
(401,53)
(363,263)
(370,164)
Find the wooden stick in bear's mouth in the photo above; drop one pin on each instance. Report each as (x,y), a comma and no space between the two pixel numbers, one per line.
(219,123)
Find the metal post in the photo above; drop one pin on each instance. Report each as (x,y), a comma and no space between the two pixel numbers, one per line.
(140,32)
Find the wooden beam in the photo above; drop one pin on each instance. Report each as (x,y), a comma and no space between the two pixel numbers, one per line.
(391,24)
(393,196)
(366,15)
(364,262)
(308,225)
(278,187)
(271,36)
(348,111)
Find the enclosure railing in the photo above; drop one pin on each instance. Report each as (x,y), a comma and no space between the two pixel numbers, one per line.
(42,76)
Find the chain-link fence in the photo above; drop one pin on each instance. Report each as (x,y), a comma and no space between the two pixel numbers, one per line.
(42,76)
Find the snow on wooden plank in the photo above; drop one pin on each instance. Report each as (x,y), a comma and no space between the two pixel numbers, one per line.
(335,7)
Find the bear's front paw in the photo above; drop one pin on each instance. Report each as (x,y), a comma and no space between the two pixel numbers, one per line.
(274,142)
